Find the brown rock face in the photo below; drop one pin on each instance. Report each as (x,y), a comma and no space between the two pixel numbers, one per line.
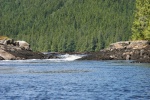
(129,44)
(10,51)
(139,51)
(1,58)
(6,55)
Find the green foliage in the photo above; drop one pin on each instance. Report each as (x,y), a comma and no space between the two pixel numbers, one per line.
(67,25)
(4,38)
(141,24)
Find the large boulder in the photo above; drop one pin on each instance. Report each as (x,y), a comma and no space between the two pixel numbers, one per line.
(119,45)
(139,51)
(10,52)
(2,41)
(129,44)
(23,45)
(8,42)
(138,44)
(6,55)
(17,50)
(1,58)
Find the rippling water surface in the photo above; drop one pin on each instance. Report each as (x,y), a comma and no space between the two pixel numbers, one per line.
(74,80)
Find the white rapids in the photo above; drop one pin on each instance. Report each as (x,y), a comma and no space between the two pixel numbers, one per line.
(67,57)
(61,58)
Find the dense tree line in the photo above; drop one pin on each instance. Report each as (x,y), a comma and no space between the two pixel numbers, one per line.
(67,25)
(141,24)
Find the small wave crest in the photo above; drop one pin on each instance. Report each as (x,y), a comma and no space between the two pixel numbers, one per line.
(70,57)
(67,57)
(58,58)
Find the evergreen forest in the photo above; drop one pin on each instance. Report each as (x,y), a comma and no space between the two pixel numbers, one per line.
(67,25)
(141,24)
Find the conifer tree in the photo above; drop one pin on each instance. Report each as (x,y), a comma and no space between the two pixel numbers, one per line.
(67,25)
(141,24)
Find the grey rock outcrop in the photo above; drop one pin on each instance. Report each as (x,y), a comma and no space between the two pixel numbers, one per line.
(23,45)
(129,45)
(6,55)
(139,51)
(17,50)
(1,58)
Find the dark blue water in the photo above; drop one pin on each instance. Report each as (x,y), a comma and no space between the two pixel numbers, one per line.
(74,80)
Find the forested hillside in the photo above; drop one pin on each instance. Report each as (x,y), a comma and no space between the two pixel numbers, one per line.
(67,25)
(141,24)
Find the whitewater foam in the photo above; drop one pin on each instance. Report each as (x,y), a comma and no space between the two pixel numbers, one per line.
(61,58)
(67,57)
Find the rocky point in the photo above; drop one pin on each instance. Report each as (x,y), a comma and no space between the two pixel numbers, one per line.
(138,51)
(17,50)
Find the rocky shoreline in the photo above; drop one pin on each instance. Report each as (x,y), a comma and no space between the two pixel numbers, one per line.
(138,51)
(17,50)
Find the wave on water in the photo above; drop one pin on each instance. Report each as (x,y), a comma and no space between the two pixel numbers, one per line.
(67,57)
(60,58)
